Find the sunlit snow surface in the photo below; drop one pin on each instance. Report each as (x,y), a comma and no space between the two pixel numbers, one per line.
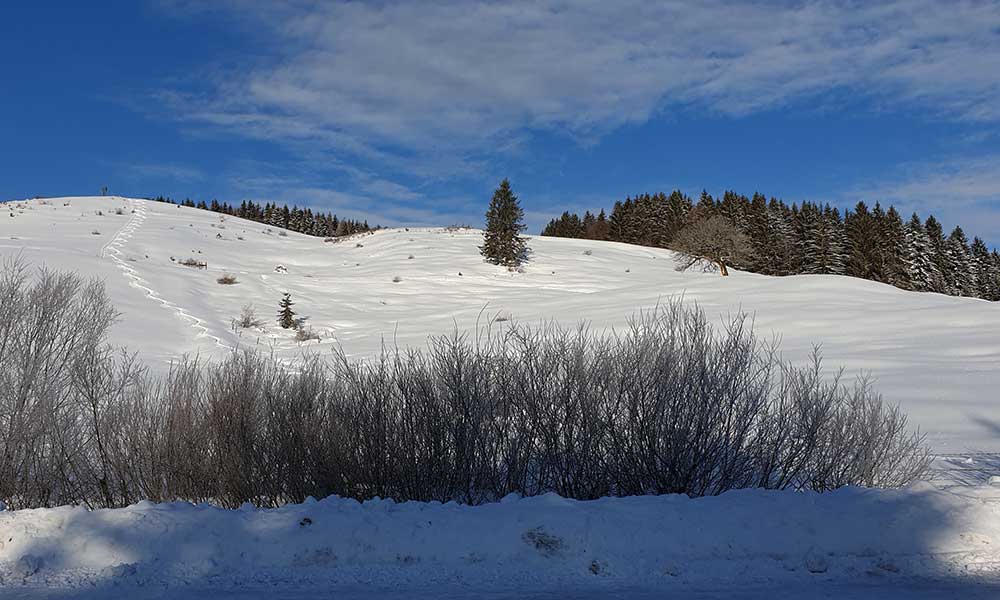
(937,356)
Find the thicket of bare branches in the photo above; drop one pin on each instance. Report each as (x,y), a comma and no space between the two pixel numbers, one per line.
(667,406)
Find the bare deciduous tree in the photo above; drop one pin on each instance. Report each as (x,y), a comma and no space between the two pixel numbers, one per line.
(713,239)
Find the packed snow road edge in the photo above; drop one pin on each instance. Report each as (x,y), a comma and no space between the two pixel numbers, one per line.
(653,541)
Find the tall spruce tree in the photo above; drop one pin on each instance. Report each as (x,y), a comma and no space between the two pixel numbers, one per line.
(862,242)
(939,255)
(981,264)
(957,247)
(892,237)
(502,244)
(921,269)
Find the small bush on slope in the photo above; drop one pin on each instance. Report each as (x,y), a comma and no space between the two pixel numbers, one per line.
(668,406)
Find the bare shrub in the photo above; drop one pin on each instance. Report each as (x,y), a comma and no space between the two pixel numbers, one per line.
(669,405)
(305,333)
(248,318)
(227,279)
(194,263)
(64,400)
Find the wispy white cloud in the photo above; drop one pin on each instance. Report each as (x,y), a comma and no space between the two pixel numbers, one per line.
(962,192)
(463,74)
(439,89)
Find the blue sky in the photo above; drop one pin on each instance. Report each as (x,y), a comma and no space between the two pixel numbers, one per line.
(410,113)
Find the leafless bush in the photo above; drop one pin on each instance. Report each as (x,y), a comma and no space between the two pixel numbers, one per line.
(64,400)
(193,262)
(227,279)
(248,318)
(305,333)
(667,406)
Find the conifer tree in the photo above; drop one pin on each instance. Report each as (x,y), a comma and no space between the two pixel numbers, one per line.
(286,316)
(501,243)
(600,229)
(964,283)
(862,241)
(922,271)
(981,264)
(892,249)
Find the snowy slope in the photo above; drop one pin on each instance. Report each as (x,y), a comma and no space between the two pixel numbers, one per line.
(898,544)
(937,356)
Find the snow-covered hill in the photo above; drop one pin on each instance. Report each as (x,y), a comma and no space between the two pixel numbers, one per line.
(937,356)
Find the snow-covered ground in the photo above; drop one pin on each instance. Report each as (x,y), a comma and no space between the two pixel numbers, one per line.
(743,540)
(937,356)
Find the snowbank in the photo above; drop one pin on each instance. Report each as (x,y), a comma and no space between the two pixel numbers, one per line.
(532,543)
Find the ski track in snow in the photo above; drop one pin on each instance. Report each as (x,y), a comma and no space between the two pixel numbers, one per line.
(113,251)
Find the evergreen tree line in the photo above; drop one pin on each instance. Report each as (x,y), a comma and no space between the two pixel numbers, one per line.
(301,220)
(871,243)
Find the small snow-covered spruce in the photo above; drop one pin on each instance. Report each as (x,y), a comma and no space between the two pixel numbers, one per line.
(504,221)
(712,239)
(286,316)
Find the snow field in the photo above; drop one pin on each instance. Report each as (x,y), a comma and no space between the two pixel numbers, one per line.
(937,356)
